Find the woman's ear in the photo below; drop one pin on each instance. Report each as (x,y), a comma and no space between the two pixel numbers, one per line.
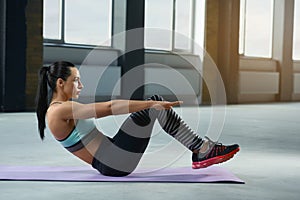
(60,82)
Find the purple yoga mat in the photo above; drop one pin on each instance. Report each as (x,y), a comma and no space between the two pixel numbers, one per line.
(87,174)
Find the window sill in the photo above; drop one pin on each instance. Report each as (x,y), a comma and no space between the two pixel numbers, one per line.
(258,64)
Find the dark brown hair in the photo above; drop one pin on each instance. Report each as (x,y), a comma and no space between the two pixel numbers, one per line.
(47,84)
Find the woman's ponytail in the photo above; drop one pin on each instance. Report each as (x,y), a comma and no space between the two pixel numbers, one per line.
(47,85)
(42,100)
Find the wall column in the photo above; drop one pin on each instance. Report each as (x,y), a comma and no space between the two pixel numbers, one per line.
(221,43)
(283,46)
(228,51)
(133,57)
(13,50)
(34,50)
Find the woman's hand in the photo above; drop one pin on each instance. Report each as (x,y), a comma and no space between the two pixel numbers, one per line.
(165,105)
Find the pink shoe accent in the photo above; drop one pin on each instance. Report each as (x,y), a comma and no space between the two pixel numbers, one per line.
(214,160)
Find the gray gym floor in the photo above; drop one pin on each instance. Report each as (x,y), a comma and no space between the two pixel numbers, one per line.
(269,160)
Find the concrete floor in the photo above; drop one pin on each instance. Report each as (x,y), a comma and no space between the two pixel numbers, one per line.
(269,160)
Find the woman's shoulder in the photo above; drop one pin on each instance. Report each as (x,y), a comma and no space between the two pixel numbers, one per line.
(62,104)
(58,120)
(59,107)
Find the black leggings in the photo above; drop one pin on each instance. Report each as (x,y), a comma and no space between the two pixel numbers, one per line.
(120,155)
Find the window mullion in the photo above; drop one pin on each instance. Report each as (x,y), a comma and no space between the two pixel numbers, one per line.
(63,21)
(242,26)
(272,28)
(193,24)
(112,22)
(173,25)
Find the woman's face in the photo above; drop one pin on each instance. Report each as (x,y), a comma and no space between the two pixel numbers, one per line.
(73,84)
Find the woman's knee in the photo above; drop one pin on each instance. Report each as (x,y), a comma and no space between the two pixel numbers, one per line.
(157,97)
(143,118)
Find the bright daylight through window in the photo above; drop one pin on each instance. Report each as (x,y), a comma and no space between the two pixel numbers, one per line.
(256,26)
(86,22)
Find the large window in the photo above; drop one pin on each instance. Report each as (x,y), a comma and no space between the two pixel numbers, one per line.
(52,19)
(78,22)
(158,18)
(256,25)
(183,24)
(296,44)
(170,24)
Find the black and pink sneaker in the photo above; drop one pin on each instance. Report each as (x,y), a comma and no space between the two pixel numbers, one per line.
(215,153)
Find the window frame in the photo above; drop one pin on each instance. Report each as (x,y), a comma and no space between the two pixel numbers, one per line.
(242,33)
(192,32)
(62,42)
(191,50)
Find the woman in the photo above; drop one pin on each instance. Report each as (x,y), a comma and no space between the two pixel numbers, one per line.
(72,125)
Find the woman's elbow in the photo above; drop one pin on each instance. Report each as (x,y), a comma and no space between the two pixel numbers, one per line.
(104,109)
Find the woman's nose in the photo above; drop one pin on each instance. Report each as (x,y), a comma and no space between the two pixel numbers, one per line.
(80,85)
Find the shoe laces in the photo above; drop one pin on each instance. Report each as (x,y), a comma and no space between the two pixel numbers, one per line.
(219,147)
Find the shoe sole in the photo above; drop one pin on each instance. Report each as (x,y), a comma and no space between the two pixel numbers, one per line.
(214,160)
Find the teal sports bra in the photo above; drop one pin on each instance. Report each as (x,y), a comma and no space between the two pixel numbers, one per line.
(84,131)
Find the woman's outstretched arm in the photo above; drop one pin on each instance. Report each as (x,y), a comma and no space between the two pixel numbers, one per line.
(74,110)
(130,106)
